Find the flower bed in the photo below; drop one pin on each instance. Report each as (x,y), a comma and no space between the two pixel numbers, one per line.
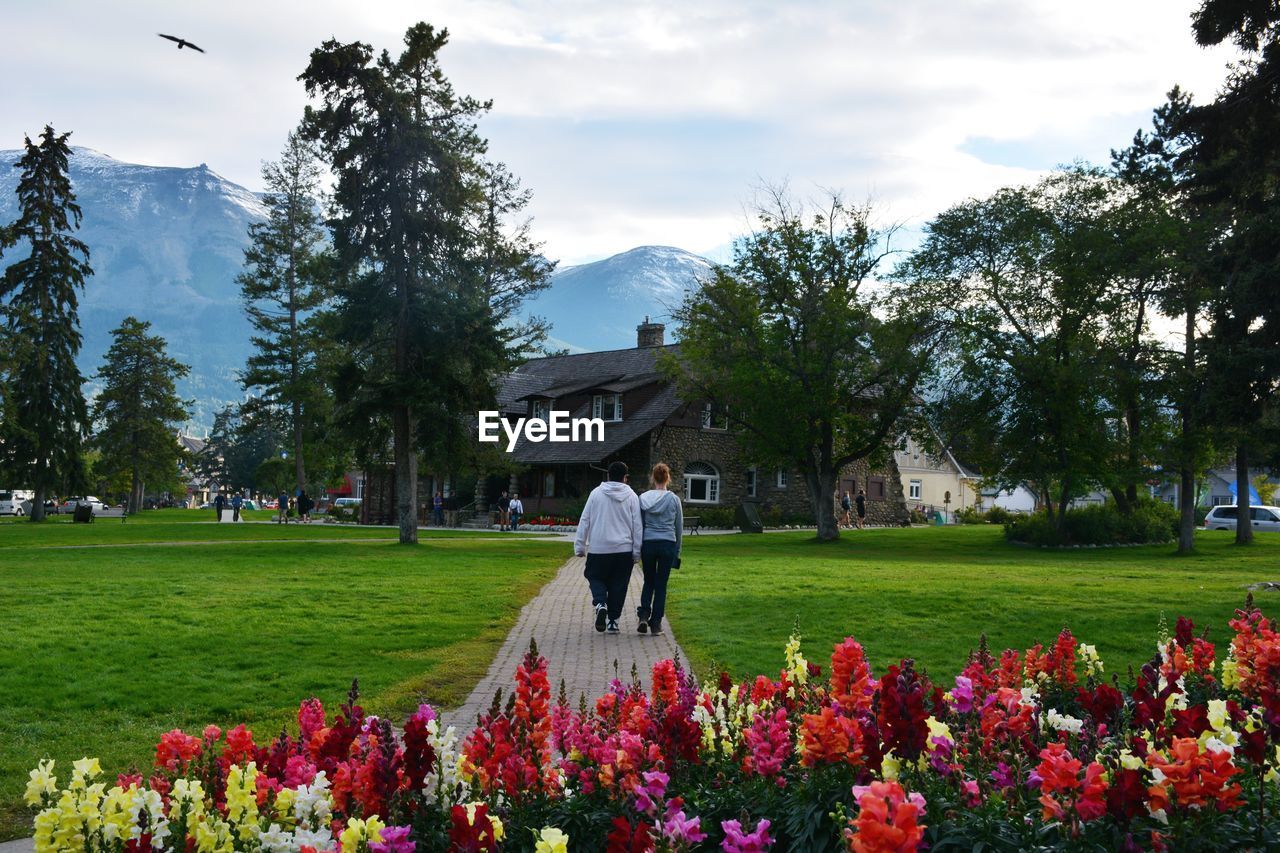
(1034,750)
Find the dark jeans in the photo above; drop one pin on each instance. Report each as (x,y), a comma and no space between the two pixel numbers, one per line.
(235,513)
(608,576)
(218,510)
(437,515)
(656,559)
(515,521)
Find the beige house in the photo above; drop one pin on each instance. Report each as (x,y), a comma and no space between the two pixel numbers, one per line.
(932,480)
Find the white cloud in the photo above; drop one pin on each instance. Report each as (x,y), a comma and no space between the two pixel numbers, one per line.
(645,122)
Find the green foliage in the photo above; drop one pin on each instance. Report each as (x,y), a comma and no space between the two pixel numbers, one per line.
(43,415)
(788,340)
(138,411)
(1150,522)
(432,260)
(235,450)
(1052,364)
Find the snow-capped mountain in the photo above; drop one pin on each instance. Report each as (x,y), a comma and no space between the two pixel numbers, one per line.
(165,245)
(597,306)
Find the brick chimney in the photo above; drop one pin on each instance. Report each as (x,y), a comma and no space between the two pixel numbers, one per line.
(649,334)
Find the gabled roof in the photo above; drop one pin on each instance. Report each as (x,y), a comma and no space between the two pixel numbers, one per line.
(614,371)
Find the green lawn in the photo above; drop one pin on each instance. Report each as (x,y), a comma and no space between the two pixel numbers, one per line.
(106,648)
(929,593)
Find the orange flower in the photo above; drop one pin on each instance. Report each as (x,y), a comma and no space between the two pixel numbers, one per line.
(828,739)
(851,683)
(1196,779)
(886,821)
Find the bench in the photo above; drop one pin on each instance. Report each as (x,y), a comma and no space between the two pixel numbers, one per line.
(691,523)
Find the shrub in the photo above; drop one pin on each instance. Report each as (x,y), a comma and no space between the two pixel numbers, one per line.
(999,515)
(971,515)
(1150,522)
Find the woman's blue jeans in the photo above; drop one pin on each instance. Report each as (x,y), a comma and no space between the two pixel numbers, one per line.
(656,559)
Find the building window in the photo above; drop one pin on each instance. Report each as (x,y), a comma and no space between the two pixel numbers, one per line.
(780,479)
(875,489)
(1219,500)
(540,409)
(714,416)
(548,484)
(914,487)
(701,483)
(607,407)
(751,482)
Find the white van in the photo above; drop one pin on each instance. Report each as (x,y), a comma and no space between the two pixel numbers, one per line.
(1224,517)
(16,502)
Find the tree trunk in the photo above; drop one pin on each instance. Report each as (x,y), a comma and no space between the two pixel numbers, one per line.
(37,503)
(406,475)
(135,493)
(1187,506)
(1187,493)
(822,485)
(1244,524)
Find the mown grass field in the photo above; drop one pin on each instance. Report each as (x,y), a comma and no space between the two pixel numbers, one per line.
(183,624)
(930,593)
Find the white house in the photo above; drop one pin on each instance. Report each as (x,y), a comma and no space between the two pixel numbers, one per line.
(934,480)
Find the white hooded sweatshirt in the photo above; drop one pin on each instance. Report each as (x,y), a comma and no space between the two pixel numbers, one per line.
(610,522)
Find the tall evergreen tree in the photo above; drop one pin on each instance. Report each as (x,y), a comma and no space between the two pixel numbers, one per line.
(433,269)
(285,281)
(138,412)
(45,418)
(1235,171)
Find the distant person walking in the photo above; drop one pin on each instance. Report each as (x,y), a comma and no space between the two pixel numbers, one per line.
(610,533)
(845,508)
(437,510)
(516,509)
(304,507)
(284,508)
(663,520)
(218,503)
(504,511)
(861,503)
(237,501)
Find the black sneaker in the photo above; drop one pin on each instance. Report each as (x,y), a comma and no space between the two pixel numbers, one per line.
(602,615)
(643,627)
(655,628)
(613,627)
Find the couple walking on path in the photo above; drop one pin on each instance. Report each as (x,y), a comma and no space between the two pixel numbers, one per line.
(618,529)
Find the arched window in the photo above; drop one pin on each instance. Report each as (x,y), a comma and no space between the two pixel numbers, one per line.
(701,483)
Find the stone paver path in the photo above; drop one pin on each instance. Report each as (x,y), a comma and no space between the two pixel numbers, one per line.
(22,845)
(560,618)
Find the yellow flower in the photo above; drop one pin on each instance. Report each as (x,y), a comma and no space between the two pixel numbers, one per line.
(550,840)
(42,782)
(890,767)
(498,829)
(1230,675)
(357,831)
(284,803)
(84,770)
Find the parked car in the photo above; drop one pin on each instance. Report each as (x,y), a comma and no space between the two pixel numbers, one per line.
(70,504)
(348,502)
(15,502)
(1224,517)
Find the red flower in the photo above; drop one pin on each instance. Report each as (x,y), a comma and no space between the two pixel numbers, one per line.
(176,749)
(901,715)
(851,682)
(626,838)
(828,739)
(471,836)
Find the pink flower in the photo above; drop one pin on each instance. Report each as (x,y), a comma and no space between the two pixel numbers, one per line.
(962,695)
(679,829)
(310,718)
(972,794)
(395,839)
(737,841)
(298,771)
(652,792)
(770,741)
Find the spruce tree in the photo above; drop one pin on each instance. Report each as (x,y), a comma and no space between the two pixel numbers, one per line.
(138,411)
(45,417)
(432,260)
(284,282)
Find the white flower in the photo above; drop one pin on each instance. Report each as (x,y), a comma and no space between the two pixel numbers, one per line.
(1062,722)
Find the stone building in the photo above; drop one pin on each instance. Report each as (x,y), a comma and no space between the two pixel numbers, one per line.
(645,422)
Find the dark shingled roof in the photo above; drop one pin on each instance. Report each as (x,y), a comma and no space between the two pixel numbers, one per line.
(614,370)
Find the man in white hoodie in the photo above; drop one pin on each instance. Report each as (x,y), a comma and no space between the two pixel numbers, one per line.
(609,535)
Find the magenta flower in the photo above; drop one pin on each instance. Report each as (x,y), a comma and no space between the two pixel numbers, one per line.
(1003,775)
(738,841)
(651,793)
(395,839)
(962,695)
(310,718)
(679,829)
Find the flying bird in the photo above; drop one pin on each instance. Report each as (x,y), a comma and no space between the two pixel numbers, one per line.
(181,42)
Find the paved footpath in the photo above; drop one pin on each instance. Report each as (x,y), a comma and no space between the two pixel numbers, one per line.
(560,618)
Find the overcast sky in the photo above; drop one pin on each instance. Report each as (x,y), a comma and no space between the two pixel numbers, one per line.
(639,122)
